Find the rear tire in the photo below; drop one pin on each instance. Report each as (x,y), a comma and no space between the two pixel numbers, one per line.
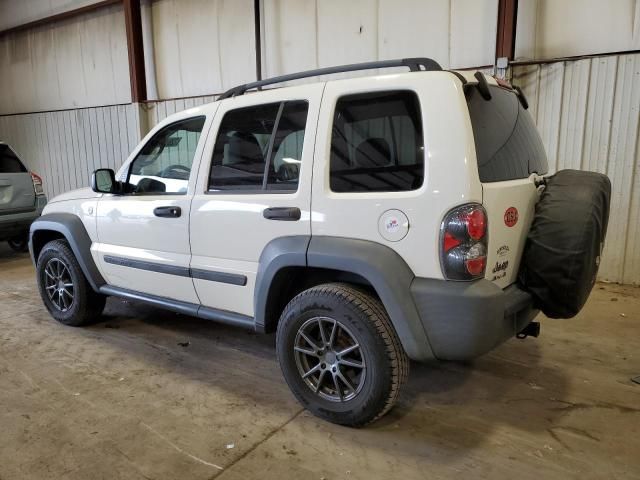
(340,355)
(19,244)
(63,287)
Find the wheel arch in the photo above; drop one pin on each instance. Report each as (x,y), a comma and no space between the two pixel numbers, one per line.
(289,265)
(69,227)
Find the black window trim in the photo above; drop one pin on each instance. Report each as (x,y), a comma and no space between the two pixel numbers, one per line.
(20,162)
(146,194)
(378,192)
(263,190)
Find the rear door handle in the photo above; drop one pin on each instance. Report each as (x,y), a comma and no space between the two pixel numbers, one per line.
(286,214)
(167,212)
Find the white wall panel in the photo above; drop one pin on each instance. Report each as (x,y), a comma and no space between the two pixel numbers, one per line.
(573,115)
(622,162)
(597,129)
(289,46)
(68,64)
(473,32)
(560,28)
(423,32)
(305,34)
(588,115)
(549,108)
(347,31)
(526,29)
(202,46)
(19,12)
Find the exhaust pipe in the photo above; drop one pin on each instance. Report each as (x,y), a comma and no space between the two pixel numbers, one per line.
(531,330)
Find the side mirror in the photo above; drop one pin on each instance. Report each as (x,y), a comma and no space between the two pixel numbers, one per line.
(103,180)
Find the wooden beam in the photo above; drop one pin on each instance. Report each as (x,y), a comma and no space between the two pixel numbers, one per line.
(59,16)
(133,21)
(506,35)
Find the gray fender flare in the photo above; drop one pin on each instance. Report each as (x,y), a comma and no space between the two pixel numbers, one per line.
(389,275)
(381,266)
(278,254)
(71,227)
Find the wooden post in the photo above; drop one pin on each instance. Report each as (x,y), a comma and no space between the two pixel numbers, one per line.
(506,35)
(135,48)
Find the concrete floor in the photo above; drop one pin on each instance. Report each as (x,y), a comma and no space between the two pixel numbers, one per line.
(123,399)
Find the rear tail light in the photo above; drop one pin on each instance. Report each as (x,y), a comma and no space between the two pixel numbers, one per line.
(37,184)
(463,239)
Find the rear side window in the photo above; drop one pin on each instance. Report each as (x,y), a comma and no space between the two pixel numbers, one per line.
(508,145)
(9,162)
(377,143)
(259,148)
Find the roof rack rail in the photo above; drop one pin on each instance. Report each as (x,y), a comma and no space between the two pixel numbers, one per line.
(414,64)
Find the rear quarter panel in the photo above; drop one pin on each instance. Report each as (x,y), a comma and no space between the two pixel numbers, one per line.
(451,176)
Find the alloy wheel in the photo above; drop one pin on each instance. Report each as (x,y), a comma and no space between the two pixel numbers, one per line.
(58,284)
(329,359)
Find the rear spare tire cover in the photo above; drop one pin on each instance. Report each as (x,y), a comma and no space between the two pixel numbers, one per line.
(562,253)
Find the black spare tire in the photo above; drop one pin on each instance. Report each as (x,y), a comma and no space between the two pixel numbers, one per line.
(562,253)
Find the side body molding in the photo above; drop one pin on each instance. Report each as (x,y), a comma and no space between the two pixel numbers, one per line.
(389,275)
(72,228)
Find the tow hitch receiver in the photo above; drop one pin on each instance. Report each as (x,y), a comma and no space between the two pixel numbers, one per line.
(531,330)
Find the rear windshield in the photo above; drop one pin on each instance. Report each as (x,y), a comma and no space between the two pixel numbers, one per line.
(508,145)
(9,162)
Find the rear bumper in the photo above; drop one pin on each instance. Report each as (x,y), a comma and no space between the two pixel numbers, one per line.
(464,320)
(15,224)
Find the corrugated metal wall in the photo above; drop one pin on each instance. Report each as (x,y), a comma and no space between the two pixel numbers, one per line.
(64,147)
(588,115)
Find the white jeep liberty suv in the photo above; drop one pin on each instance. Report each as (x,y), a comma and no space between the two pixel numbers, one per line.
(367,221)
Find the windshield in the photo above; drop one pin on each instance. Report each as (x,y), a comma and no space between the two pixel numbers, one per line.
(508,145)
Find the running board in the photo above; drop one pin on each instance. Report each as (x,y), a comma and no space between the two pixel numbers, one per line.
(185,308)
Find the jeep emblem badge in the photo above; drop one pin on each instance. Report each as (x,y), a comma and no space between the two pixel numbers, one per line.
(393,225)
(511,216)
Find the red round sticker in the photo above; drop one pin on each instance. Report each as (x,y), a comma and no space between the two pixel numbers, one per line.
(511,216)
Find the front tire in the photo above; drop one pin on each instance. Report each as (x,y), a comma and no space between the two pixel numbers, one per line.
(63,287)
(340,355)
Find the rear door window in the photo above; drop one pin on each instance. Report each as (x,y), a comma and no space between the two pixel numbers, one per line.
(259,148)
(9,162)
(508,145)
(377,143)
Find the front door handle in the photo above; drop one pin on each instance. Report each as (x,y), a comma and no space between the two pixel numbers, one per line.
(286,214)
(167,212)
